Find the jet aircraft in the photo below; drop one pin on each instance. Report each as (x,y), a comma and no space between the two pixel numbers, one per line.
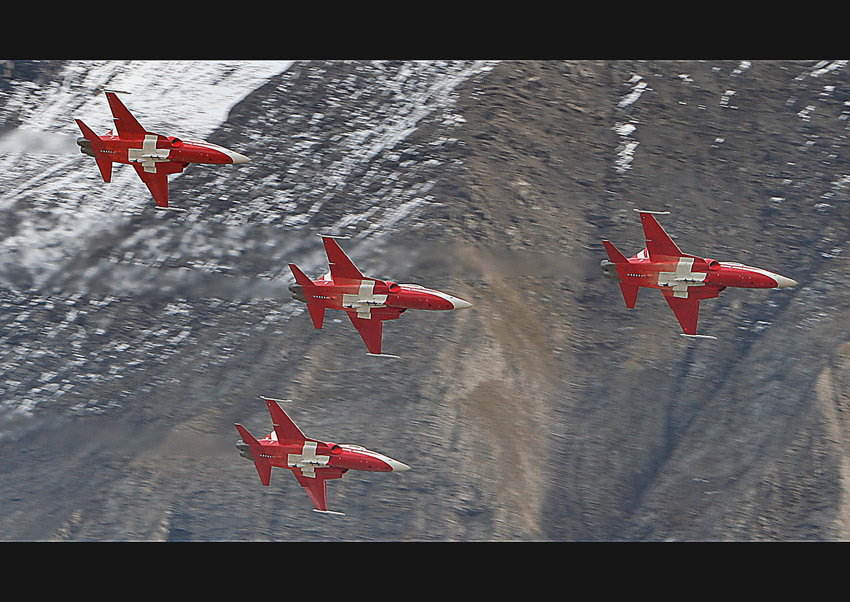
(154,156)
(684,280)
(367,301)
(313,462)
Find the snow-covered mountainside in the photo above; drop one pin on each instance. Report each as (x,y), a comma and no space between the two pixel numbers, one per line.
(132,339)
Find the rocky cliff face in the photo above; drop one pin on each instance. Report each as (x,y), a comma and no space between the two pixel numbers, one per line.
(550,411)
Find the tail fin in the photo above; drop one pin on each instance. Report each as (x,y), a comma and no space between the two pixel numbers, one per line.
(342,268)
(630,291)
(300,277)
(105,165)
(264,469)
(614,253)
(317,312)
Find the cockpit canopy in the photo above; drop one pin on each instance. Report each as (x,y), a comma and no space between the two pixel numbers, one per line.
(386,286)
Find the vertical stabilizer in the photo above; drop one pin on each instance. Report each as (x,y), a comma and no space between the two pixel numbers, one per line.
(264,468)
(104,165)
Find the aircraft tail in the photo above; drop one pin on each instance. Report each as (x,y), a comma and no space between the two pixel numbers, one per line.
(614,253)
(300,277)
(317,312)
(264,468)
(95,146)
(630,291)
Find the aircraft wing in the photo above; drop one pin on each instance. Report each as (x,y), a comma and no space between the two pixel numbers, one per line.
(658,242)
(285,428)
(157,180)
(687,308)
(342,268)
(316,487)
(371,329)
(125,124)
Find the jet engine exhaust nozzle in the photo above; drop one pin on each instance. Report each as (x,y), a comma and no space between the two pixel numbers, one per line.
(85,146)
(245,450)
(609,270)
(298,293)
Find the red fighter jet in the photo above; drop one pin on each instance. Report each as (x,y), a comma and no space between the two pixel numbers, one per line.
(367,301)
(152,155)
(684,279)
(313,462)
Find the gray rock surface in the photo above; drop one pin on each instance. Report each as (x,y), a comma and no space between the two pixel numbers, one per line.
(550,411)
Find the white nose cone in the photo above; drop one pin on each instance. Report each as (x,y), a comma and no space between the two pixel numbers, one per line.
(238,157)
(783,282)
(397,466)
(460,303)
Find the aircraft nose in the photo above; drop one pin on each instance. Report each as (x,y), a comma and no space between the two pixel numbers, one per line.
(460,303)
(398,466)
(238,157)
(783,282)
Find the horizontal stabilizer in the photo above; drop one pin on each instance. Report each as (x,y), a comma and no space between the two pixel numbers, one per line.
(614,254)
(317,314)
(300,277)
(698,336)
(264,468)
(387,355)
(630,293)
(89,134)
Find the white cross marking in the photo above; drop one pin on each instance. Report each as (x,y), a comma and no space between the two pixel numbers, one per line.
(149,155)
(682,278)
(307,460)
(365,300)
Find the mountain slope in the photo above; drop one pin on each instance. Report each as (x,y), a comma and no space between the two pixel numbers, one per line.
(547,412)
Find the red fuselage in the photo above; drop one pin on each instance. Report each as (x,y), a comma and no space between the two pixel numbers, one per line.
(373,294)
(679,273)
(158,149)
(311,454)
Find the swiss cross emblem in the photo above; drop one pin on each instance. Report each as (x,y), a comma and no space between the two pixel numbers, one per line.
(307,460)
(149,155)
(682,278)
